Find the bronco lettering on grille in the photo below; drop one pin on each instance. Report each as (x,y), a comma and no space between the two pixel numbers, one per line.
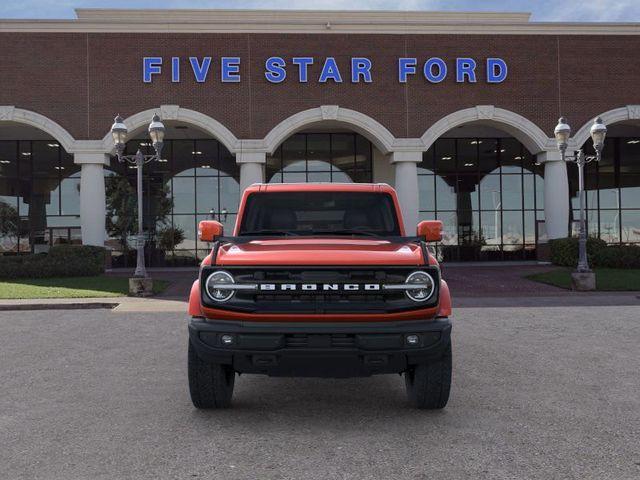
(314,287)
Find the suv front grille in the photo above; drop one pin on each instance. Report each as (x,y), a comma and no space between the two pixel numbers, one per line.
(332,297)
(320,300)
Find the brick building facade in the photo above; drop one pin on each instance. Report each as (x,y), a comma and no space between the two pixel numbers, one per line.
(63,81)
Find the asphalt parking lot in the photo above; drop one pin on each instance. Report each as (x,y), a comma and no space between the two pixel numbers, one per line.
(538,393)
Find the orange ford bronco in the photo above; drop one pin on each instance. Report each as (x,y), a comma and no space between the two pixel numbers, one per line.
(319,280)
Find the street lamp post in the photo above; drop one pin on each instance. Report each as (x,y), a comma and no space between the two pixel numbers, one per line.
(562,133)
(119,133)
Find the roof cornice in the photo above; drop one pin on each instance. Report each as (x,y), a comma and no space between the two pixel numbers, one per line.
(312,21)
(298,16)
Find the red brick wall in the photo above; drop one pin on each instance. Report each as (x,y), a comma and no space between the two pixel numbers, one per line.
(82,80)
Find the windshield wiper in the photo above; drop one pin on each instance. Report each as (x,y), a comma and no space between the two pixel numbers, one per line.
(267,231)
(347,232)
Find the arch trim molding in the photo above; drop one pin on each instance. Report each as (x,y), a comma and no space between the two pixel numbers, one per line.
(10,113)
(177,113)
(373,130)
(532,136)
(616,115)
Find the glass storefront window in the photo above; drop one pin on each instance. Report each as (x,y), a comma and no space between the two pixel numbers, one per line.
(630,225)
(487,158)
(511,155)
(630,191)
(488,192)
(610,225)
(183,189)
(182,158)
(529,191)
(426,194)
(8,159)
(293,154)
(512,229)
(445,155)
(445,195)
(206,195)
(70,195)
(319,152)
(200,179)
(39,195)
(612,190)
(529,228)
(321,157)
(512,192)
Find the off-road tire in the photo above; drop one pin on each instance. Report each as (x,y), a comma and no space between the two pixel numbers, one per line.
(210,384)
(428,384)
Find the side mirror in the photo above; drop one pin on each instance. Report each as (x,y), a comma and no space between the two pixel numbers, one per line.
(430,230)
(209,230)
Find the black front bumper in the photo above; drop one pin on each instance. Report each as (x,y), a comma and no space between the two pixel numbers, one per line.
(319,349)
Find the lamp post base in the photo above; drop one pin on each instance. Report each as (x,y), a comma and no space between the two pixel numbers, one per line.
(141,286)
(583,281)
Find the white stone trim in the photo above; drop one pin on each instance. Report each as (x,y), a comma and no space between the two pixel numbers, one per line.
(406,156)
(92,196)
(252,171)
(177,113)
(382,138)
(556,199)
(408,145)
(549,156)
(97,157)
(251,157)
(531,136)
(406,185)
(629,112)
(10,113)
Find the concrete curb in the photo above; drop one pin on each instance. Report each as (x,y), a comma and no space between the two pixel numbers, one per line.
(57,306)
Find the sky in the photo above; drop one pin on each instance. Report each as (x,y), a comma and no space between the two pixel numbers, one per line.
(542,10)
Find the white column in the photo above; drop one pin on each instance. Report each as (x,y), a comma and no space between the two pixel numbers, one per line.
(92,197)
(406,185)
(251,168)
(556,194)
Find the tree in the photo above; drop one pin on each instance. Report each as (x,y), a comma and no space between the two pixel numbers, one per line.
(9,221)
(169,237)
(122,209)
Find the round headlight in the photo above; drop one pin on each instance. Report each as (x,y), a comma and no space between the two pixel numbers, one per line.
(425,283)
(215,286)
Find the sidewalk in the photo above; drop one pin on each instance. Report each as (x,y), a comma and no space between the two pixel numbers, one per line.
(117,304)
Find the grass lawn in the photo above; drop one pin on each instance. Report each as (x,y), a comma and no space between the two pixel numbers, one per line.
(72,287)
(607,279)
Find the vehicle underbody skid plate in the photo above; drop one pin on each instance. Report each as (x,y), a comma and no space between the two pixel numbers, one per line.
(319,349)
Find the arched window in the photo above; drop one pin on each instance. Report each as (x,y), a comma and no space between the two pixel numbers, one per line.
(39,196)
(321,157)
(612,188)
(200,179)
(489,194)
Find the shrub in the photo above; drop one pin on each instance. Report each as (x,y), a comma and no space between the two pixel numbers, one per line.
(60,261)
(564,251)
(618,256)
(169,237)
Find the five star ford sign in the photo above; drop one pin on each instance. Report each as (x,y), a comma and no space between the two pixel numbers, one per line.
(361,69)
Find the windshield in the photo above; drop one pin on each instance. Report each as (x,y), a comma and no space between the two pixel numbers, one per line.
(319,213)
